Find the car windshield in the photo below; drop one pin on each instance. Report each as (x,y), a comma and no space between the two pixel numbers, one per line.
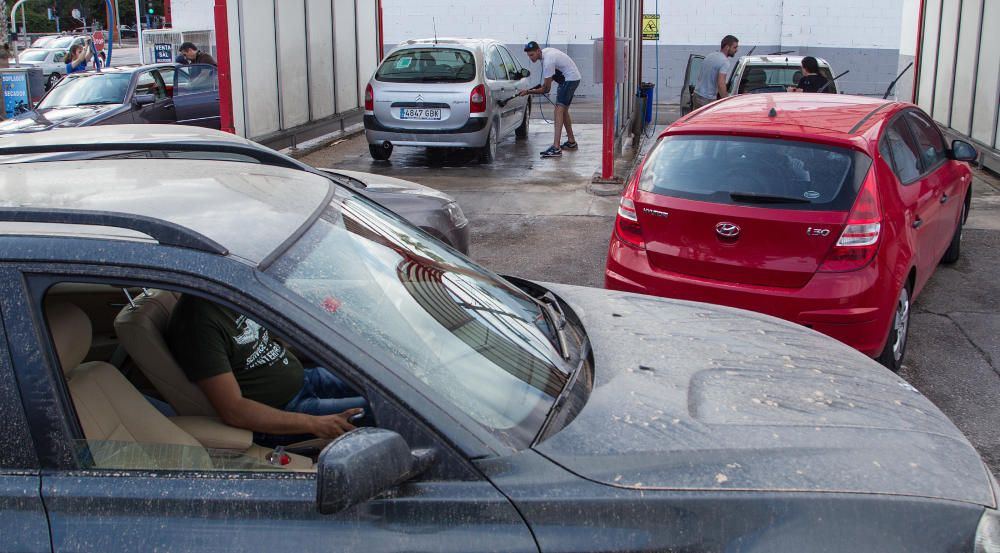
(42,42)
(428,65)
(467,338)
(761,76)
(782,174)
(88,89)
(34,55)
(62,42)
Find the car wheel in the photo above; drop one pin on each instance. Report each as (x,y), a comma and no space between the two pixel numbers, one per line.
(52,80)
(489,152)
(895,344)
(522,131)
(380,152)
(955,248)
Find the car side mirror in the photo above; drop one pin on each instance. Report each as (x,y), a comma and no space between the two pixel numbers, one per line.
(142,100)
(963,151)
(525,73)
(362,464)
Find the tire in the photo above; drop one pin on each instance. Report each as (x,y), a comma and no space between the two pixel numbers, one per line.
(52,80)
(522,131)
(899,331)
(488,153)
(954,250)
(379,152)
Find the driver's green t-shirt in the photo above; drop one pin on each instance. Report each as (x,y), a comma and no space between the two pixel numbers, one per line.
(208,340)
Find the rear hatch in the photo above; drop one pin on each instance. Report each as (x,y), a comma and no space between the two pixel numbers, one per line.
(745,210)
(425,88)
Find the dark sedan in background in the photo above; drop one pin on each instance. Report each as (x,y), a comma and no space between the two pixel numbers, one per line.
(162,93)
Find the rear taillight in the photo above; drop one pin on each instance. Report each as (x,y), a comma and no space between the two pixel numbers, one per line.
(627,222)
(859,241)
(477,100)
(369,99)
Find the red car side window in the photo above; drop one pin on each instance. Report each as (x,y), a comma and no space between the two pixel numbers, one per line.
(904,160)
(928,139)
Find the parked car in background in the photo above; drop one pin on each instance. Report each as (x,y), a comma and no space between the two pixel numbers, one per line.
(50,60)
(162,93)
(448,92)
(434,212)
(828,211)
(756,75)
(505,415)
(65,42)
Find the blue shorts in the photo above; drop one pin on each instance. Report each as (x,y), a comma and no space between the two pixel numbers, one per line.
(564,96)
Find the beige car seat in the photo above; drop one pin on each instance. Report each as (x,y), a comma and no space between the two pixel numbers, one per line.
(112,413)
(141,329)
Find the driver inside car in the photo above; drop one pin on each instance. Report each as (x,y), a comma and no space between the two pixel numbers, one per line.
(253,381)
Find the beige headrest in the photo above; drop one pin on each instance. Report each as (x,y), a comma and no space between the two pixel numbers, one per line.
(71,333)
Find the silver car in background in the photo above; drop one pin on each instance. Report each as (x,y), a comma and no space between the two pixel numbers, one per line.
(446,93)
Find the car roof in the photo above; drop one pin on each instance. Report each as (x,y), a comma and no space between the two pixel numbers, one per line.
(448,42)
(114,134)
(833,116)
(249,210)
(771,59)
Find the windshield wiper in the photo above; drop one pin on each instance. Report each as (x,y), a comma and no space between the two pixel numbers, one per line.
(554,313)
(747,197)
(96,103)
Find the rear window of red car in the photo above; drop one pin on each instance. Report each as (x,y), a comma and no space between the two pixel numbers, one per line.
(761,172)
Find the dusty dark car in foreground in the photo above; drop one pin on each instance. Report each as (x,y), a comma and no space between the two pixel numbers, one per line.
(507,415)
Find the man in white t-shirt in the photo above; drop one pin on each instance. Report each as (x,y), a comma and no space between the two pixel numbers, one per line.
(558,67)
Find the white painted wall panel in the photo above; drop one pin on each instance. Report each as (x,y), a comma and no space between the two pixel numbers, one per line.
(947,47)
(928,55)
(260,71)
(345,55)
(236,68)
(367,11)
(191,15)
(320,29)
(910,14)
(965,66)
(292,63)
(985,107)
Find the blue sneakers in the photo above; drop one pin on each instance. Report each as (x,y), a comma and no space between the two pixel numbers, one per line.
(552,152)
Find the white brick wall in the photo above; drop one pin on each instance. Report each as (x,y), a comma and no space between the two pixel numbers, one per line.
(817,23)
(192,15)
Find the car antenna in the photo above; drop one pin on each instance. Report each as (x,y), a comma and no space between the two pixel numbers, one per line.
(892,85)
(434,22)
(827,85)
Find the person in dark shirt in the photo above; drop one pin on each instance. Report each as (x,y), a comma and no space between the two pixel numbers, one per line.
(191,54)
(811,80)
(252,380)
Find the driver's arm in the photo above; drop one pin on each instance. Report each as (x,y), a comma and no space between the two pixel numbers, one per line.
(721,84)
(224,394)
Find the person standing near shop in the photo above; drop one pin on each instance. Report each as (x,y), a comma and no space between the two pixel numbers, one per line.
(190,54)
(76,60)
(711,83)
(558,67)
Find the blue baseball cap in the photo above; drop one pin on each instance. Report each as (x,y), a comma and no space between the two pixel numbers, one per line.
(532,46)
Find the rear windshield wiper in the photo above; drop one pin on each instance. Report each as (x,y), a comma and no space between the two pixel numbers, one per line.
(750,198)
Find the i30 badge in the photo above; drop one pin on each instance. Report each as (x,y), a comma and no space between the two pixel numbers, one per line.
(729,231)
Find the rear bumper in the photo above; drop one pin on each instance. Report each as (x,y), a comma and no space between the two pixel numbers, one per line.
(471,135)
(854,308)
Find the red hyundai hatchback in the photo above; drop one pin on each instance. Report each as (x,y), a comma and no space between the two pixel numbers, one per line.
(830,211)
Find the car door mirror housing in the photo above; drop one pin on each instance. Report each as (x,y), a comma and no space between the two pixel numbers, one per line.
(141,100)
(362,464)
(963,151)
(525,73)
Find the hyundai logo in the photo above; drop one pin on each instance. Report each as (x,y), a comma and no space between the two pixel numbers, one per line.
(727,230)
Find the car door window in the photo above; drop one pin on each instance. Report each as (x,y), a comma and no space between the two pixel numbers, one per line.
(167,76)
(58,57)
(928,140)
(905,160)
(513,73)
(494,61)
(192,79)
(150,82)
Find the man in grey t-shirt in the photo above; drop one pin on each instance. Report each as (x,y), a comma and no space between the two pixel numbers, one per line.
(711,82)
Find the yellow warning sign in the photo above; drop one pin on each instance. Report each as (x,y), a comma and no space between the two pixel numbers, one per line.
(650,26)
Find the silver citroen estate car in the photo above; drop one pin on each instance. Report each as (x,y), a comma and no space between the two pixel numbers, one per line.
(447,92)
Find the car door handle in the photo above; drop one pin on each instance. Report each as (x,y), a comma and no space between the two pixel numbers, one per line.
(918,222)
(944,198)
